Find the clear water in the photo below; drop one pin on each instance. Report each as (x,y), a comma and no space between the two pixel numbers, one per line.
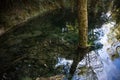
(98,64)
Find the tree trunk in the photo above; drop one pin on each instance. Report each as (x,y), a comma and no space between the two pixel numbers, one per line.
(83,34)
(83,23)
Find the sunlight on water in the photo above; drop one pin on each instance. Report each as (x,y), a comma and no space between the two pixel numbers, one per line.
(108,68)
(98,64)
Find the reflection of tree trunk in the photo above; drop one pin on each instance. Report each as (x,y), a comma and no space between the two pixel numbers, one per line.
(79,55)
(73,4)
(83,26)
(61,3)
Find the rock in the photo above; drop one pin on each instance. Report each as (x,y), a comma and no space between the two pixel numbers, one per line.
(57,77)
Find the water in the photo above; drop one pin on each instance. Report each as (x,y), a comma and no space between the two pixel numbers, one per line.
(98,64)
(109,48)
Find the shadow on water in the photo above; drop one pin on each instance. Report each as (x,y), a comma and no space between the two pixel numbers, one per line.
(31,50)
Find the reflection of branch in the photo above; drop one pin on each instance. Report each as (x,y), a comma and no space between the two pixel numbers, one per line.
(18,59)
(117,49)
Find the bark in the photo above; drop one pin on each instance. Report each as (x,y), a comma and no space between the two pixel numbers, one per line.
(83,23)
(83,34)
